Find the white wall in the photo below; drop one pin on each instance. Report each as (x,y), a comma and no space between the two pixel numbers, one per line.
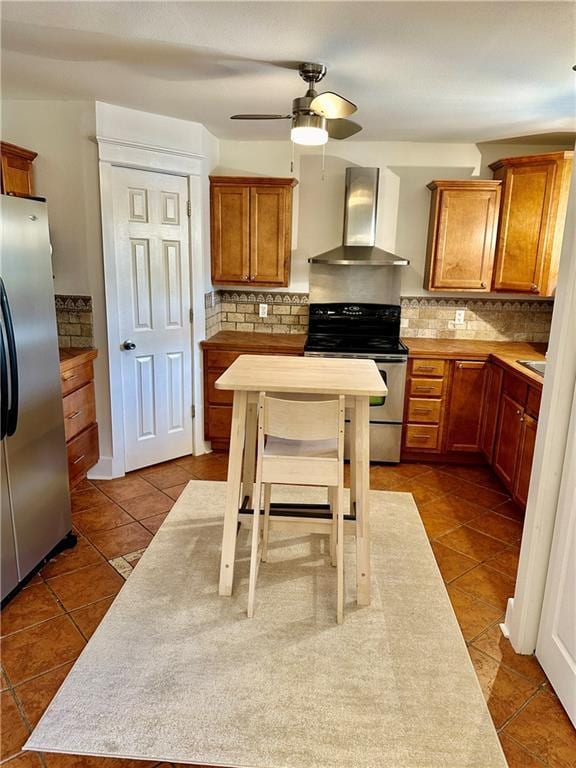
(404,200)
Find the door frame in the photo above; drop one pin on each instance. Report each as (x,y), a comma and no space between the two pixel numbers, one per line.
(524,611)
(119,153)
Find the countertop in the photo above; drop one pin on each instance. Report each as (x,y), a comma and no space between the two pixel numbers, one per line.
(71,357)
(256,342)
(506,353)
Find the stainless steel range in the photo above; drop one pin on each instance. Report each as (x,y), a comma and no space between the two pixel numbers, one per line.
(373,331)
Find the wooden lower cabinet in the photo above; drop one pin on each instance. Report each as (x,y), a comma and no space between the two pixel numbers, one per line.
(492,390)
(79,407)
(508,439)
(524,459)
(466,406)
(216,359)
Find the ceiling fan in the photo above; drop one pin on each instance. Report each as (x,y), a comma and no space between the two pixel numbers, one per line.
(316,117)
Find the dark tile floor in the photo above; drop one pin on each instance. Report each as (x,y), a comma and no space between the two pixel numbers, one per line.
(474,530)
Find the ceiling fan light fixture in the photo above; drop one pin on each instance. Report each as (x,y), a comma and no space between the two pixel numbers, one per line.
(309,130)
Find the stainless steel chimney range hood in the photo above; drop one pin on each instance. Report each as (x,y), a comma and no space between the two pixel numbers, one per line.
(358,247)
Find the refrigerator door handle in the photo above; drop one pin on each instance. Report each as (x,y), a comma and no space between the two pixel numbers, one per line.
(12,414)
(3,387)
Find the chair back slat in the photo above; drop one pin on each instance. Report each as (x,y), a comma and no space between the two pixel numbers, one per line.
(301,419)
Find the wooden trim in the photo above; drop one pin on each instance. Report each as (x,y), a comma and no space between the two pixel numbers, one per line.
(73,357)
(253,181)
(14,150)
(481,184)
(513,162)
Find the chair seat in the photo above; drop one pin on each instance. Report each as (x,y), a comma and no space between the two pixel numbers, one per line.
(317,449)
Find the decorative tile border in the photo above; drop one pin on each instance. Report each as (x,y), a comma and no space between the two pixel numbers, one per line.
(496,305)
(261,297)
(74,303)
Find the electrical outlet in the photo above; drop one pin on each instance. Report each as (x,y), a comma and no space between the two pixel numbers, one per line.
(262,310)
(459,316)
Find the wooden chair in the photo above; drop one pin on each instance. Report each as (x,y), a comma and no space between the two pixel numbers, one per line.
(300,442)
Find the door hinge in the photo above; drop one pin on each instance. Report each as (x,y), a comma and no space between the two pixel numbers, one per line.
(189,208)
(191,315)
(193,411)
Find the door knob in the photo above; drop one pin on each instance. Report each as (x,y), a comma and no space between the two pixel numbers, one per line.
(128,345)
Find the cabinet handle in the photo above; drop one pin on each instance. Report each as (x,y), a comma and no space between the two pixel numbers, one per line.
(422,410)
(69,378)
(420,437)
(522,418)
(74,415)
(423,389)
(534,288)
(252,277)
(482,285)
(425,368)
(244,277)
(78,459)
(518,413)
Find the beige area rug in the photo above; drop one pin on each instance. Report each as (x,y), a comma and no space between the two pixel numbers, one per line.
(177,673)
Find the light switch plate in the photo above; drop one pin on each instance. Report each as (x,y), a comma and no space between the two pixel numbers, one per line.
(262,310)
(459,316)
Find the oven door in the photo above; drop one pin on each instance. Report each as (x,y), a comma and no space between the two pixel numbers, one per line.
(390,408)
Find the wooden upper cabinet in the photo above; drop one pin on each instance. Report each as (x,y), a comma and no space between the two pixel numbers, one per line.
(251,229)
(16,165)
(532,217)
(230,233)
(466,406)
(462,235)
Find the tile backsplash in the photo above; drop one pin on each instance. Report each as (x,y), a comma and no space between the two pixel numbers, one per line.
(74,318)
(491,319)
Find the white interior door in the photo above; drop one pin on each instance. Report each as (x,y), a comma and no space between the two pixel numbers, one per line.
(556,648)
(153,274)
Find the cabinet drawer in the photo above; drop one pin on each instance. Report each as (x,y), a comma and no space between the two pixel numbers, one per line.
(79,410)
(219,358)
(76,377)
(83,453)
(421,437)
(219,422)
(515,388)
(426,387)
(423,410)
(217,396)
(533,401)
(428,367)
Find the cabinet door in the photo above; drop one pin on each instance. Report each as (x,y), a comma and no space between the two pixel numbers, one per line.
(494,375)
(17,170)
(230,233)
(525,223)
(269,234)
(525,456)
(508,439)
(465,406)
(462,255)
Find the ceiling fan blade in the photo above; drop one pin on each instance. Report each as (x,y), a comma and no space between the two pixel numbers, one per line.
(342,129)
(260,117)
(332,106)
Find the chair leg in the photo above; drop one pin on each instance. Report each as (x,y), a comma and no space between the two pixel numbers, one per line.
(255,550)
(334,529)
(340,554)
(267,496)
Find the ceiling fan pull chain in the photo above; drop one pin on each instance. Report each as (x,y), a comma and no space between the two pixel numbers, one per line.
(292,158)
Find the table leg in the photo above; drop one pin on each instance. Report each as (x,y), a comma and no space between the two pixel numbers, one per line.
(362,485)
(250,451)
(237,435)
(352,458)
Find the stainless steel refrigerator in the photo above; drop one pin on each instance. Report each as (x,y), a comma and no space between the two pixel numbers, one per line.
(35,511)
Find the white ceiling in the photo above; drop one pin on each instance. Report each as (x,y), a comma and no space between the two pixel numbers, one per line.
(419,71)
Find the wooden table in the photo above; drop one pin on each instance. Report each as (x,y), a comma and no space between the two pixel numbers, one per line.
(357,379)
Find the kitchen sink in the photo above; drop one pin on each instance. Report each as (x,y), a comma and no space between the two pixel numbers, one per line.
(538,366)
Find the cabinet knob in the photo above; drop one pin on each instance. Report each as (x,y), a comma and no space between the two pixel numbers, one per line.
(518,413)
(244,277)
(252,277)
(482,285)
(460,365)
(534,288)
